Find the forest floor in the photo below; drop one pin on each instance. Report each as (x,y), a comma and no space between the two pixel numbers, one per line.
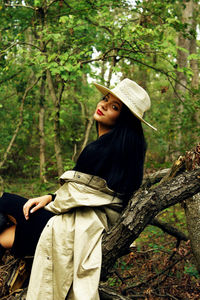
(158,267)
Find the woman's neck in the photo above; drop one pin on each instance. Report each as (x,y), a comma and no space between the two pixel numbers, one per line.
(102,129)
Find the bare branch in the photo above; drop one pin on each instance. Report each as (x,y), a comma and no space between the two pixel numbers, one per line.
(106,293)
(52,2)
(19,43)
(5,50)
(169,229)
(19,5)
(11,77)
(151,179)
(29,44)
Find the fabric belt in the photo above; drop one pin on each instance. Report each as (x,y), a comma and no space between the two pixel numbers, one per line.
(93,181)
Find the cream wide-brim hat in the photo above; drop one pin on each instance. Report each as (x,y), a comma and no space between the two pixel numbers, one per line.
(132,95)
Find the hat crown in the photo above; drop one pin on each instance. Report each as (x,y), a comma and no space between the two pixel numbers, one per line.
(133,95)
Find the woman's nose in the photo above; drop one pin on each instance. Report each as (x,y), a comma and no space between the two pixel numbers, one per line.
(104,105)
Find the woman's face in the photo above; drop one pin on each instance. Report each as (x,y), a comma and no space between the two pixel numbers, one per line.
(108,111)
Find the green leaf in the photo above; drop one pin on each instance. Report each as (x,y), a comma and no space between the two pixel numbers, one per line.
(63,19)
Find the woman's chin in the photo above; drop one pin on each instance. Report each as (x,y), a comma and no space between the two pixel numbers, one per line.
(97,118)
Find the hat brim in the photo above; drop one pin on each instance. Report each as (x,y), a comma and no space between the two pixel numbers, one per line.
(104,90)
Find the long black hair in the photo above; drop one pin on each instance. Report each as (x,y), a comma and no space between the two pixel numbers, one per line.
(117,156)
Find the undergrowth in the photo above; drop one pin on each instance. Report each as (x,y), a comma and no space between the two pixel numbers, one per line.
(158,266)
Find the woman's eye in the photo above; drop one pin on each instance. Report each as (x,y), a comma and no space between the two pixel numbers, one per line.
(105,98)
(115,107)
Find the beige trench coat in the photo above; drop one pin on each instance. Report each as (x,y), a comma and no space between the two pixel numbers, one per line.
(67,260)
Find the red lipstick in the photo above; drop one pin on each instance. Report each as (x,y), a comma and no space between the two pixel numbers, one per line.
(99,112)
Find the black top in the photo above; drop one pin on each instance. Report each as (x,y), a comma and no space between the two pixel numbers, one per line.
(101,158)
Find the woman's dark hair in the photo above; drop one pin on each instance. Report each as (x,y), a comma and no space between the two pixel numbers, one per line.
(117,156)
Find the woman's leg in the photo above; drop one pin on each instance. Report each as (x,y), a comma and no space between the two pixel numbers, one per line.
(24,234)
(7,222)
(7,233)
(11,206)
(7,237)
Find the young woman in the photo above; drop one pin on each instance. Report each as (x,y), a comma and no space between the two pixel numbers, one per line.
(67,260)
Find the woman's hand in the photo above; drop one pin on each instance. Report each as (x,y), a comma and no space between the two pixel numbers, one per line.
(38,203)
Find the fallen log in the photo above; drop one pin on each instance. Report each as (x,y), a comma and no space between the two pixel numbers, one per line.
(142,208)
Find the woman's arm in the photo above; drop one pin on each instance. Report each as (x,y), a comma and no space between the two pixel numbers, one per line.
(38,203)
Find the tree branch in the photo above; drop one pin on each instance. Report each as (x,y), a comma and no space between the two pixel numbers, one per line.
(19,43)
(107,293)
(153,178)
(169,229)
(19,5)
(11,77)
(166,73)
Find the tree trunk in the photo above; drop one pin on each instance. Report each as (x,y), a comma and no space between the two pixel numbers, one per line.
(192,210)
(192,205)
(41,131)
(56,102)
(103,73)
(90,122)
(180,90)
(42,16)
(112,65)
(42,22)
(194,63)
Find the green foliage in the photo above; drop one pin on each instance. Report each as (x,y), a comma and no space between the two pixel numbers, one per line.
(135,40)
(191,270)
(31,187)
